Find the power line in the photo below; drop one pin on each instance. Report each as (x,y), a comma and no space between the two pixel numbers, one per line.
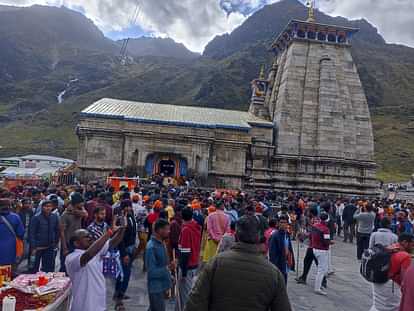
(132,21)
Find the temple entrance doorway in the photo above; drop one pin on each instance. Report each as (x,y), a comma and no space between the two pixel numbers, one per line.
(168,165)
(167,168)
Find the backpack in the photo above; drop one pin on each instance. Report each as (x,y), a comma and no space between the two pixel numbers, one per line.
(375,264)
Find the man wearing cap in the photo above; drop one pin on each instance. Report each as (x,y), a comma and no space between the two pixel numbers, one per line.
(71,221)
(10,228)
(44,238)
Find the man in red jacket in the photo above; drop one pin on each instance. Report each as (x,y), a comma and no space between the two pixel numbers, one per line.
(401,257)
(320,240)
(189,246)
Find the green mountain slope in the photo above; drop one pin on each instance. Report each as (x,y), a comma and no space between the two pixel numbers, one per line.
(164,47)
(32,121)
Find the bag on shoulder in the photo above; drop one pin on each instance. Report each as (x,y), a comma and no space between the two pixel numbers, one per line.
(375,264)
(19,242)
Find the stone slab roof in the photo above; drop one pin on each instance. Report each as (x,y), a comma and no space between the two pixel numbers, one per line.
(188,116)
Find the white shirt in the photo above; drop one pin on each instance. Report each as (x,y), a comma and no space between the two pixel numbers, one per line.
(341,209)
(88,282)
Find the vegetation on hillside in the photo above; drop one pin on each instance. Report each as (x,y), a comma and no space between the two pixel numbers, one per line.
(55,45)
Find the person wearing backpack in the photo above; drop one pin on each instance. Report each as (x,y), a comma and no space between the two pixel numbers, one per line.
(320,239)
(383,295)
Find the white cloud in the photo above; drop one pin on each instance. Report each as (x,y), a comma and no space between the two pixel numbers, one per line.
(196,22)
(393,18)
(192,22)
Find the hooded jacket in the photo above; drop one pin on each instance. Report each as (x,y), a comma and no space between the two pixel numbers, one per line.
(189,245)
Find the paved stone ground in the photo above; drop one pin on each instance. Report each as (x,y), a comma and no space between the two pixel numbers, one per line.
(347,290)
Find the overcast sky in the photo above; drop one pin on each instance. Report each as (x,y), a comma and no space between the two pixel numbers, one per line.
(196,22)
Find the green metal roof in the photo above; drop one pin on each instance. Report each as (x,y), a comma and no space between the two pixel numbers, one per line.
(187,116)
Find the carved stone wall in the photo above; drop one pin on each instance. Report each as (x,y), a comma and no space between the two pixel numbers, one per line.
(324,137)
(214,156)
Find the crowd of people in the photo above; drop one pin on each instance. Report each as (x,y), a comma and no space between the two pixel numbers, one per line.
(194,241)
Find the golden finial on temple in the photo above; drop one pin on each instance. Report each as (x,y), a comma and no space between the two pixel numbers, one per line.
(262,73)
(311,11)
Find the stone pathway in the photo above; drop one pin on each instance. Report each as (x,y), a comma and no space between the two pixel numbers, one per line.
(347,290)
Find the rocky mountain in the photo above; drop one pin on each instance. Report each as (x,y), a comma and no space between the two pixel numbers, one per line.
(49,54)
(33,40)
(163,47)
(55,51)
(386,70)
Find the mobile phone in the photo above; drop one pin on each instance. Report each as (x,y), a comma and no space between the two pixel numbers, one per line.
(120,221)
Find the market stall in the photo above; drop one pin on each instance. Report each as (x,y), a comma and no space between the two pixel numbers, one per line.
(40,292)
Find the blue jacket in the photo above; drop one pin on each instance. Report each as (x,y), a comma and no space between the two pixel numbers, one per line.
(7,239)
(156,259)
(44,231)
(277,250)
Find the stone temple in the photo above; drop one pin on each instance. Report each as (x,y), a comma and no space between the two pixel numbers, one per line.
(308,127)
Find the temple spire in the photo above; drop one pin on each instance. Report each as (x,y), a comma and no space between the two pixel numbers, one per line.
(311,11)
(262,73)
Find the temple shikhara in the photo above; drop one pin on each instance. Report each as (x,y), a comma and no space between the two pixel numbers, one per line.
(308,127)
